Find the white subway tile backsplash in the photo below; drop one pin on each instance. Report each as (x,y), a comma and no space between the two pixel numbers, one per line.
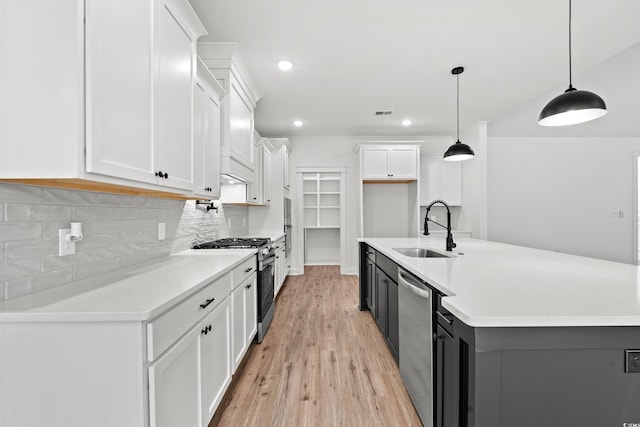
(59,196)
(20,193)
(118,232)
(10,231)
(30,249)
(95,268)
(55,262)
(19,268)
(23,212)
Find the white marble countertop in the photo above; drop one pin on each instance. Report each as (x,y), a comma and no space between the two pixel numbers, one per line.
(137,294)
(499,285)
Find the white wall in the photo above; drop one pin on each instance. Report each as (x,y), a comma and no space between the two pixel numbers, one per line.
(331,151)
(563,194)
(340,151)
(473,214)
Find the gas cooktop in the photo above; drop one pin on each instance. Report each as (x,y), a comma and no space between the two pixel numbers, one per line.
(234,243)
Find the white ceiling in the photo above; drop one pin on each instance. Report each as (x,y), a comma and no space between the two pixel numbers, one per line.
(354,57)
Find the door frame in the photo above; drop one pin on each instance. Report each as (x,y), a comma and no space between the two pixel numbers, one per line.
(636,211)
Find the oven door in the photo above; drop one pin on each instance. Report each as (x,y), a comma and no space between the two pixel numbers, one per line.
(266,282)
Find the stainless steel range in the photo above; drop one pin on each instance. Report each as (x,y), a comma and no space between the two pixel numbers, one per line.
(266,264)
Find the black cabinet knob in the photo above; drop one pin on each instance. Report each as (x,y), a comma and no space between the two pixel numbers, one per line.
(166,175)
(246,270)
(248,286)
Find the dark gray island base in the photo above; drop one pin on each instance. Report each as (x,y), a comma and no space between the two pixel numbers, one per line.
(517,376)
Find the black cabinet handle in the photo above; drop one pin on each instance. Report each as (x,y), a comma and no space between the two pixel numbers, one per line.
(444,318)
(248,269)
(162,174)
(207,302)
(206,330)
(248,286)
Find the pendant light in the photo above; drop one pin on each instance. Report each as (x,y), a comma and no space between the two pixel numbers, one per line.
(573,106)
(458,151)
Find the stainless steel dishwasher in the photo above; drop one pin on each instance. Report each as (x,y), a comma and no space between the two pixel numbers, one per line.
(416,345)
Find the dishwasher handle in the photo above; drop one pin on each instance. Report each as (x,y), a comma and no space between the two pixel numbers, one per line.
(411,284)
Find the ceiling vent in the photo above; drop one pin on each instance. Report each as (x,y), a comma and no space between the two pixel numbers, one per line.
(384,113)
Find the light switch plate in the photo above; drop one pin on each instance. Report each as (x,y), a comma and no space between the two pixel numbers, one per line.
(64,247)
(161,231)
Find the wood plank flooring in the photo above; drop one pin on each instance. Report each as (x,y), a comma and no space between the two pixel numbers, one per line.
(322,363)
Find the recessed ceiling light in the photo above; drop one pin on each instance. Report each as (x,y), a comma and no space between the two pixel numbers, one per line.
(407,122)
(298,123)
(285,65)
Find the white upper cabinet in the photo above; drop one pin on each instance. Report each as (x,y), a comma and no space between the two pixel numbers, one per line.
(176,69)
(238,151)
(119,89)
(440,180)
(114,105)
(143,123)
(266,175)
(286,178)
(389,162)
(206,133)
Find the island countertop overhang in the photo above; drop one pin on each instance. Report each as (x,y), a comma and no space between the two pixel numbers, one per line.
(491,284)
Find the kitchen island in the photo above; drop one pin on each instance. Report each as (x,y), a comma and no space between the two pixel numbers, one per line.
(524,337)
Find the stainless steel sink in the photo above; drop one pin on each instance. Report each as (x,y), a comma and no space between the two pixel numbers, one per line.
(420,253)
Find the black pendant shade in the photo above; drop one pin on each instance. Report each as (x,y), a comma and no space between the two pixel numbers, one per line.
(458,151)
(573,106)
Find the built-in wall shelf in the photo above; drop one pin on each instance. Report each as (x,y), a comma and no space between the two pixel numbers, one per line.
(322,210)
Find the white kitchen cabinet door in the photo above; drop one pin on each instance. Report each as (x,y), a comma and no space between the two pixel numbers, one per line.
(174,384)
(440,180)
(266,176)
(206,133)
(389,163)
(238,325)
(215,359)
(251,308)
(286,179)
(173,98)
(118,89)
(279,267)
(375,160)
(241,127)
(403,163)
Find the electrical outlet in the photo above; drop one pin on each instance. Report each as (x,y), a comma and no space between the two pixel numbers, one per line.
(161,231)
(64,247)
(229,222)
(632,361)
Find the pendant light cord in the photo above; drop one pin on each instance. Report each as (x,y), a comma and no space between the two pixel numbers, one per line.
(570,82)
(457,107)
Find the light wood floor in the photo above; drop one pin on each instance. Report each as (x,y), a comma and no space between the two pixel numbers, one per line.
(322,363)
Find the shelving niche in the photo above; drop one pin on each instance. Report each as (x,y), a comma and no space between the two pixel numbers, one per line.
(322,200)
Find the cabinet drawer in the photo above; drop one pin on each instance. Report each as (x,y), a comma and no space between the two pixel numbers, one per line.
(244,270)
(164,330)
(388,266)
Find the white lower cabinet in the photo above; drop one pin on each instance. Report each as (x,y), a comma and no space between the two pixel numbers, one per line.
(244,317)
(215,359)
(280,265)
(169,371)
(174,384)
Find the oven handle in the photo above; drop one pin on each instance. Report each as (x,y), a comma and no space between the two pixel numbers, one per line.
(268,260)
